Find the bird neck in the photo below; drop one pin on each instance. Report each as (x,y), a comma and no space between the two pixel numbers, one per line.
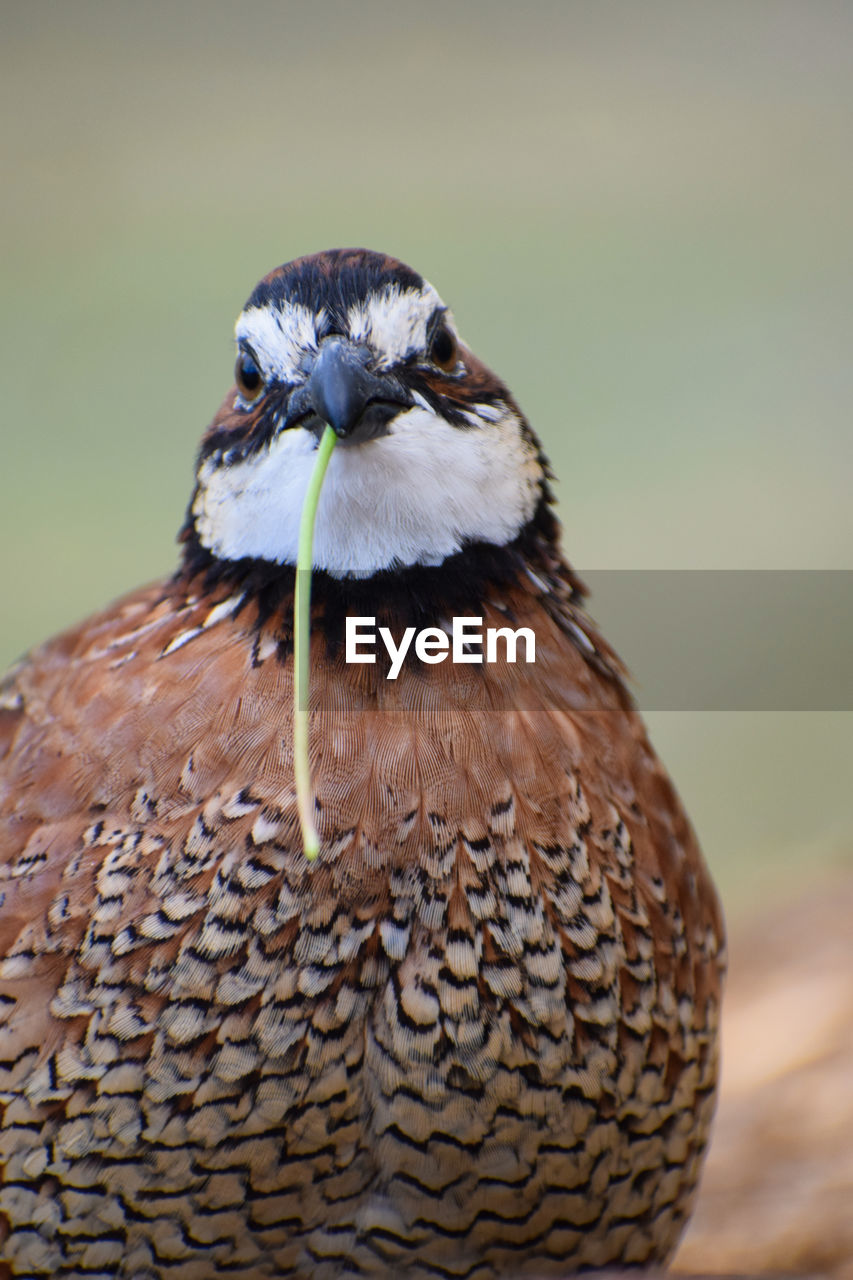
(418,595)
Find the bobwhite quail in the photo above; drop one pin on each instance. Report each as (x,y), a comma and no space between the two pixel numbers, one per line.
(478,1035)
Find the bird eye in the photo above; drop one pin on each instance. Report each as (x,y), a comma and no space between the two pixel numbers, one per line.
(443,349)
(248,376)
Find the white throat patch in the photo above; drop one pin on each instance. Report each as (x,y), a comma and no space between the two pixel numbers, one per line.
(413,496)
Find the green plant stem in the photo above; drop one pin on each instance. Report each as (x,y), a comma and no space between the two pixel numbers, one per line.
(302,646)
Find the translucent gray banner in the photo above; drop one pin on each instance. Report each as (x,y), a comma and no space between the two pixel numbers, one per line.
(730,640)
(692,640)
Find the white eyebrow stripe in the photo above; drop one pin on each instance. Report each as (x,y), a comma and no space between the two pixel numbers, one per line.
(280,339)
(394,322)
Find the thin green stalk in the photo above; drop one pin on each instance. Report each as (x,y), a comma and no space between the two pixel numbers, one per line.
(302,646)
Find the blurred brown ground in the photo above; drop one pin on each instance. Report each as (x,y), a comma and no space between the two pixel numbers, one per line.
(777,1194)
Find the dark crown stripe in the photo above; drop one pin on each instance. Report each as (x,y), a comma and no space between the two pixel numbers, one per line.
(336,280)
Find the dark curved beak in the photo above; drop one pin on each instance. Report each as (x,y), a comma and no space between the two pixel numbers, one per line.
(342,391)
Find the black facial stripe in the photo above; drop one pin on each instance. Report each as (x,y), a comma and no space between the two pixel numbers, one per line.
(453,405)
(432,324)
(258,424)
(262,422)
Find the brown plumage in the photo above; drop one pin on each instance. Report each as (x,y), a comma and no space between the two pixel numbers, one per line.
(476,1038)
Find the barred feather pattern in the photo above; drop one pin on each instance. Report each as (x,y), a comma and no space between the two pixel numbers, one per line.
(477,1038)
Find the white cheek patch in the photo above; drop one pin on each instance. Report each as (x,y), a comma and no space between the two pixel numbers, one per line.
(414,496)
(280,339)
(394,322)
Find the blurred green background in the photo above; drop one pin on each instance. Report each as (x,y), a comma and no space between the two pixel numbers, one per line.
(640,214)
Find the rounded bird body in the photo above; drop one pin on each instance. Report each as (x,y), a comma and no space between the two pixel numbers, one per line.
(476,1037)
